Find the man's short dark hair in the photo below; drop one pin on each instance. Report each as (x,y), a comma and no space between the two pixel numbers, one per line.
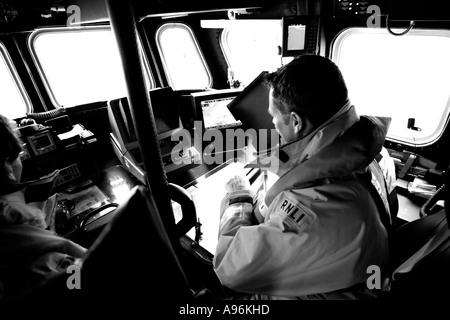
(310,85)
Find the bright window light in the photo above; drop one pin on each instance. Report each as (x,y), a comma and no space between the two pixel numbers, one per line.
(80,66)
(251,47)
(402,77)
(13,99)
(183,61)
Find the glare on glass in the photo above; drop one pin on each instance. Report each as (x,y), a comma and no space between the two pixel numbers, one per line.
(13,103)
(81,66)
(402,77)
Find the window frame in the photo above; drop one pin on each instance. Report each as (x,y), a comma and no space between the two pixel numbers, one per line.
(167,25)
(444,120)
(33,36)
(16,78)
(225,49)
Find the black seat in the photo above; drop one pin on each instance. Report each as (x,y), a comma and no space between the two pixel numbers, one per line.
(133,259)
(131,266)
(429,277)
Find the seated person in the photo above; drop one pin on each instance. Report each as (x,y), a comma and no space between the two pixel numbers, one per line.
(324,221)
(31,253)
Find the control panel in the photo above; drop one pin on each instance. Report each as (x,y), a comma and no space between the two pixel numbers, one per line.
(60,146)
(353,8)
(68,174)
(42,142)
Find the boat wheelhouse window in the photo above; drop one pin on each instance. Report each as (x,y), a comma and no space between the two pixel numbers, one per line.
(183,61)
(402,77)
(252,46)
(81,65)
(14,102)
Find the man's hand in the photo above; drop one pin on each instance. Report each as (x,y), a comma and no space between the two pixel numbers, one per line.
(237,183)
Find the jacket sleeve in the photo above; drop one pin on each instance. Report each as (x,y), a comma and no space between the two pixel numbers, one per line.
(236,211)
(245,251)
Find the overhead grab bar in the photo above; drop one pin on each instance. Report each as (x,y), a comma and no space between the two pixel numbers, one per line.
(388,27)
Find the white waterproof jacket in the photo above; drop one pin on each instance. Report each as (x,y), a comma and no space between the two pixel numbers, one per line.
(319,227)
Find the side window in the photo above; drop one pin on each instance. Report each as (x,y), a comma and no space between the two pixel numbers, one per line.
(14,102)
(384,78)
(182,58)
(252,46)
(81,65)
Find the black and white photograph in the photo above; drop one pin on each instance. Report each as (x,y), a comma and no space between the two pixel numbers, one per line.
(224,159)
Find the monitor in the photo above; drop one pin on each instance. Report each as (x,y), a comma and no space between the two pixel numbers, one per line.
(300,35)
(212,108)
(166,110)
(42,142)
(251,108)
(166,113)
(216,114)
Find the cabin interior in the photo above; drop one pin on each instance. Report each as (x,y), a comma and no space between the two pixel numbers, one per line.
(99,88)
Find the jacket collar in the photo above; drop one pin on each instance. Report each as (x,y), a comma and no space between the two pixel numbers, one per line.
(281,159)
(342,145)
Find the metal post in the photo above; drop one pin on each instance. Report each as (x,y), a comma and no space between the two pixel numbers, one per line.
(123,24)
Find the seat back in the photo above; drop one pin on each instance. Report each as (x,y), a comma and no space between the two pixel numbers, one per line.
(421,253)
(133,260)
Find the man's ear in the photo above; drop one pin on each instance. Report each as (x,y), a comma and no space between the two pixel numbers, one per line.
(296,122)
(9,170)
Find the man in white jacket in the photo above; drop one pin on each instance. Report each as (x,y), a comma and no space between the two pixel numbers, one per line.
(324,221)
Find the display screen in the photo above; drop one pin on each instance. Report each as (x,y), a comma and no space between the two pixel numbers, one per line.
(166,110)
(251,106)
(296,37)
(216,114)
(300,35)
(166,119)
(42,141)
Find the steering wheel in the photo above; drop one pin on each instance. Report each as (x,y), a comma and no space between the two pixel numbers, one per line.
(189,219)
(429,205)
